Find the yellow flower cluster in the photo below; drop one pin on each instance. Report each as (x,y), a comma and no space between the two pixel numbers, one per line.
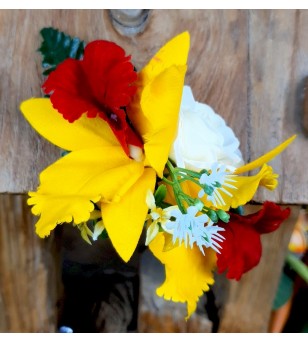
(98,174)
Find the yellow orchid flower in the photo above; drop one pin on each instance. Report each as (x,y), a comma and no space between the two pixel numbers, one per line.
(246,186)
(242,188)
(104,128)
(97,169)
(188,272)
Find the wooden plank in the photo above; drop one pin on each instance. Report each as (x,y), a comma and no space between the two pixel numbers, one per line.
(278,53)
(21,163)
(248,302)
(22,153)
(29,277)
(217,72)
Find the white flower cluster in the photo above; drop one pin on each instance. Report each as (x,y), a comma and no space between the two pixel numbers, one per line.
(194,229)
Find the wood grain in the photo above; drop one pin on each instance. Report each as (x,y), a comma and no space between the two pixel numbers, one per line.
(278,53)
(217,72)
(29,271)
(305,111)
(248,302)
(248,65)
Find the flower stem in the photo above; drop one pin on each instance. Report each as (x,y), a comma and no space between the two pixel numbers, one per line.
(177,190)
(299,266)
(167,181)
(191,173)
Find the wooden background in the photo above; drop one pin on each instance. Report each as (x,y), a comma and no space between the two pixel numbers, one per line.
(249,65)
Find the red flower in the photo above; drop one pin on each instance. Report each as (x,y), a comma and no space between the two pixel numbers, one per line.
(99,85)
(241,249)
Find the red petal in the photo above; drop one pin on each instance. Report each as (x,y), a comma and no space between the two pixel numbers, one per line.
(110,74)
(271,217)
(100,84)
(70,93)
(241,249)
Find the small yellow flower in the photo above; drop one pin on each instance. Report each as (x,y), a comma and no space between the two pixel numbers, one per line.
(158,216)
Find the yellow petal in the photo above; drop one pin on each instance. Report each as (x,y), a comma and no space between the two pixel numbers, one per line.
(265,158)
(174,52)
(70,186)
(152,232)
(188,272)
(81,134)
(124,220)
(160,103)
(246,188)
(155,108)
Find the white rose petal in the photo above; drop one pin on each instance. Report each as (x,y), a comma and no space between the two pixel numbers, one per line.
(203,137)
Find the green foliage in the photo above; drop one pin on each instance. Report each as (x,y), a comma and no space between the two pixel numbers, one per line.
(160,195)
(57,46)
(103,235)
(297,265)
(284,291)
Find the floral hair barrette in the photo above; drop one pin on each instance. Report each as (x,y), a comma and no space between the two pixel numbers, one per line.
(142,154)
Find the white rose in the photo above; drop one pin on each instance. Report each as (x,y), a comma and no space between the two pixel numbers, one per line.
(203,137)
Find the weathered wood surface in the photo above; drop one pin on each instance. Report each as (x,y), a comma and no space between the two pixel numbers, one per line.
(248,302)
(278,54)
(29,271)
(248,65)
(217,72)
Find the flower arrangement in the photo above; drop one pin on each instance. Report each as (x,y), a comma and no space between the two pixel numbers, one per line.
(142,154)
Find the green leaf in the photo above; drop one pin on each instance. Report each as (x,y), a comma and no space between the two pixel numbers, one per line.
(298,266)
(103,235)
(164,205)
(284,291)
(160,195)
(57,46)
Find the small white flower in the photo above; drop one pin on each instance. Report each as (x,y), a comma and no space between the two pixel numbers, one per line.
(158,216)
(221,176)
(191,229)
(203,137)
